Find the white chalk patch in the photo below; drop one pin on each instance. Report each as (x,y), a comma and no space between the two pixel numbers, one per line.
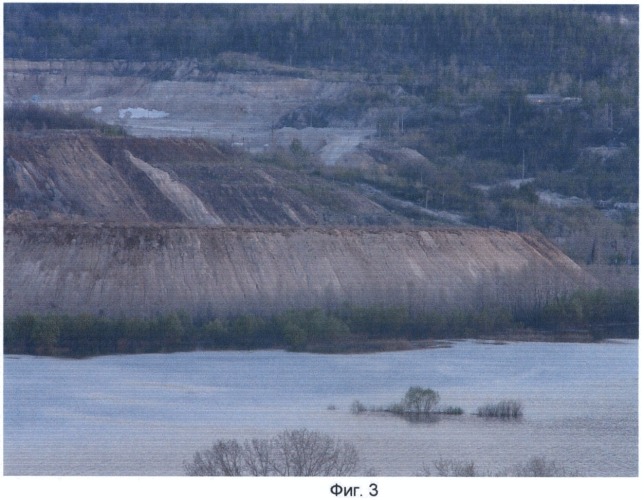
(141,113)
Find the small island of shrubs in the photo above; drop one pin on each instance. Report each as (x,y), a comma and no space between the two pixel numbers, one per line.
(421,404)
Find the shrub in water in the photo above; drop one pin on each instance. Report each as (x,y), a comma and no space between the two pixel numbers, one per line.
(452,410)
(503,409)
(419,400)
(357,407)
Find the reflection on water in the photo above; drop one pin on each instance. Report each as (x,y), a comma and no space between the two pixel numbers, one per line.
(146,414)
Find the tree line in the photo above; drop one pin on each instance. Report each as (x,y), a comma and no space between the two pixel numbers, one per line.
(597,313)
(516,40)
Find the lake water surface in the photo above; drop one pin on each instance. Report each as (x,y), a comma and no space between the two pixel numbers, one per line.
(146,414)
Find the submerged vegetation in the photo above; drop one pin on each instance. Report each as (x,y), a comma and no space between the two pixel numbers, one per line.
(502,409)
(417,402)
(420,404)
(589,315)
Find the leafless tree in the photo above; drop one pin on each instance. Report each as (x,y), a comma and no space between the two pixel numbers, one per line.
(291,453)
(454,468)
(540,467)
(223,459)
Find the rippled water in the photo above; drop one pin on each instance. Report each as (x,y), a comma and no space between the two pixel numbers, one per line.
(146,414)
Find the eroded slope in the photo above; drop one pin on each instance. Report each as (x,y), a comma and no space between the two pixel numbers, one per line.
(142,270)
(89,176)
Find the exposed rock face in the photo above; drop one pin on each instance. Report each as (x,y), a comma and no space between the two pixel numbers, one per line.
(140,271)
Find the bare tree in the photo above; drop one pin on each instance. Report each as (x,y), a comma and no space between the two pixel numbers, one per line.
(291,453)
(223,459)
(454,468)
(539,467)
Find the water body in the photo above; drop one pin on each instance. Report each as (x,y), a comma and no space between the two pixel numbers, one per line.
(146,414)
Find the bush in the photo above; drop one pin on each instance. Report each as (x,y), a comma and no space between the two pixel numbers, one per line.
(452,410)
(539,467)
(418,400)
(596,308)
(290,453)
(33,117)
(534,467)
(454,468)
(502,409)
(300,329)
(357,407)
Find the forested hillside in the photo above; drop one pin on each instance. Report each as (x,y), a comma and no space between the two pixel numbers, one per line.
(242,136)
(475,61)
(517,41)
(516,117)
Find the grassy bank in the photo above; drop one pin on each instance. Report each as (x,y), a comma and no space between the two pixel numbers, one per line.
(583,316)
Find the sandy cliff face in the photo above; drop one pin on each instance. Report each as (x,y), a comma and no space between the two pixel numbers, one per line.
(84,175)
(134,270)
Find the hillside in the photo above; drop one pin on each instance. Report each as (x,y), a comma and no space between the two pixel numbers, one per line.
(140,271)
(226,160)
(91,177)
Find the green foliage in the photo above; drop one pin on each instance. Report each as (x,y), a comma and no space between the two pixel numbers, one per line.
(297,148)
(596,308)
(601,312)
(377,322)
(295,336)
(452,410)
(418,400)
(45,335)
(170,330)
(31,117)
(374,38)
(310,327)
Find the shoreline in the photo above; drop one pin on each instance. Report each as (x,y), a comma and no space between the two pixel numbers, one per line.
(374,346)
(502,338)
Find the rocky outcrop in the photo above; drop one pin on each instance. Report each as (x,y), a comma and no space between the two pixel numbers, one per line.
(143,270)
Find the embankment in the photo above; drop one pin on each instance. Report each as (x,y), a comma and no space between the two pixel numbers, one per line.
(140,271)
